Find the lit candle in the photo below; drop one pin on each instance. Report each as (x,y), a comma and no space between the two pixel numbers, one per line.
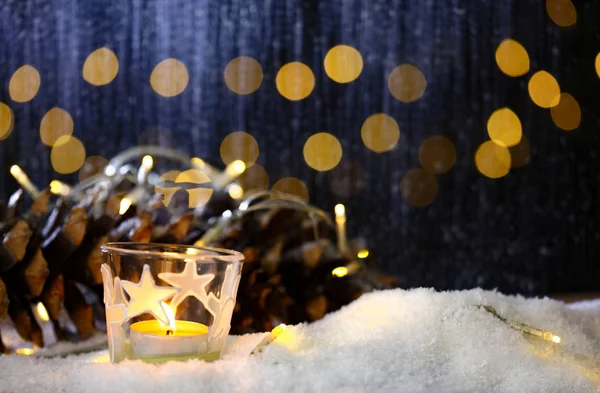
(180,338)
(24,181)
(340,220)
(231,172)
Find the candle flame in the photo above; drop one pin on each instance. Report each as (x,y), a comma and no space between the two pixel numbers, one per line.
(124,206)
(170,316)
(42,312)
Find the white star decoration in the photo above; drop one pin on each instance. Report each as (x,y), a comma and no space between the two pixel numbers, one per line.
(190,283)
(147,297)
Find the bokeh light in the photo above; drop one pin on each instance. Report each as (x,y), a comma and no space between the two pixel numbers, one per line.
(243,75)
(169,78)
(67,155)
(292,186)
(24,84)
(239,145)
(347,179)
(512,58)
(200,195)
(504,127)
(418,187)
(544,89)
(93,165)
(235,191)
(100,67)
(567,114)
(322,151)
(343,63)
(380,132)
(407,83)
(520,154)
(597,64)
(295,81)
(492,160)
(437,154)
(254,178)
(562,12)
(7,121)
(56,123)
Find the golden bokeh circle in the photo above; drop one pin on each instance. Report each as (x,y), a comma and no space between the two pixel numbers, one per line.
(197,196)
(67,155)
(322,151)
(567,114)
(492,160)
(562,12)
(254,178)
(292,186)
(295,81)
(520,154)
(512,58)
(504,127)
(243,75)
(7,121)
(169,78)
(93,165)
(100,67)
(239,145)
(343,63)
(56,123)
(407,83)
(544,89)
(24,84)
(347,179)
(437,154)
(418,187)
(597,64)
(380,132)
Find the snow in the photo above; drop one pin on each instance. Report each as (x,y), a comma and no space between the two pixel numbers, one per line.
(391,341)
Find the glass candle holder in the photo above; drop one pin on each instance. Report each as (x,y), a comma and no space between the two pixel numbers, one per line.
(168,302)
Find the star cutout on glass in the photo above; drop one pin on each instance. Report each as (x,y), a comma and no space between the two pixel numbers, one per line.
(147,297)
(190,283)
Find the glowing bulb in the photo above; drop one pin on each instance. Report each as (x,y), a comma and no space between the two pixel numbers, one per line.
(24,351)
(237,167)
(362,254)
(59,188)
(16,171)
(235,191)
(279,329)
(147,161)
(340,210)
(549,336)
(340,271)
(24,181)
(170,316)
(42,313)
(124,206)
(110,170)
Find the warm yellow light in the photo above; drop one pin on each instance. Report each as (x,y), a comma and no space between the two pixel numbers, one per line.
(198,162)
(295,81)
(124,206)
(24,84)
(23,180)
(293,186)
(56,123)
(322,151)
(169,78)
(235,191)
(343,63)
(170,316)
(16,171)
(340,210)
(493,160)
(147,161)
(549,336)
(418,187)
(241,146)
(362,254)
(504,127)
(512,58)
(562,12)
(42,312)
(407,83)
(279,329)
(340,271)
(237,167)
(243,75)
(100,67)
(7,121)
(544,90)
(101,358)
(597,64)
(25,351)
(380,133)
(59,188)
(67,155)
(437,154)
(567,114)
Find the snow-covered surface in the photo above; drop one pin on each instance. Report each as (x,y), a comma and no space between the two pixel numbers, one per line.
(391,341)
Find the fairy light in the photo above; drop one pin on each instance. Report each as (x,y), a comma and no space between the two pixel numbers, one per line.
(543,334)
(145,168)
(124,206)
(59,188)
(276,332)
(235,191)
(343,271)
(340,220)
(42,312)
(24,351)
(231,172)
(362,254)
(22,178)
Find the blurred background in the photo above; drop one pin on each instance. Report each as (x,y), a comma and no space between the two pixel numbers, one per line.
(462,136)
